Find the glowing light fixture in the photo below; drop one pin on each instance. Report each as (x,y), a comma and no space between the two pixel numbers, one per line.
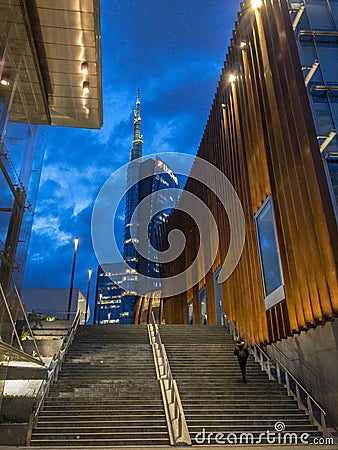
(85,87)
(232,78)
(4,82)
(256,4)
(242,44)
(84,68)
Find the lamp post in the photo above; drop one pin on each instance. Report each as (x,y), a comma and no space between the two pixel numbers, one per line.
(76,242)
(88,289)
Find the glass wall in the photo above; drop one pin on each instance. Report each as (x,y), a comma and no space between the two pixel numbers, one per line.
(191,313)
(317,32)
(218,298)
(203,306)
(22,108)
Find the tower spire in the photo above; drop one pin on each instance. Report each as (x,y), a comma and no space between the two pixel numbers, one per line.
(136,151)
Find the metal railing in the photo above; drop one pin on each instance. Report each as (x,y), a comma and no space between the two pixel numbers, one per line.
(277,371)
(177,426)
(44,315)
(51,375)
(4,299)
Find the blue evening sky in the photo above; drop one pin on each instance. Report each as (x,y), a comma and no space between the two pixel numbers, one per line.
(174,52)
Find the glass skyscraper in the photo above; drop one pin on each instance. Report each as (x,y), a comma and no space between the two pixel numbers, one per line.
(108,296)
(147,182)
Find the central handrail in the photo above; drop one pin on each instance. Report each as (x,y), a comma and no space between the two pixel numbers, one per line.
(268,364)
(51,374)
(178,430)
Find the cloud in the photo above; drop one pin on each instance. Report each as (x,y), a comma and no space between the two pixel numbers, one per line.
(70,188)
(49,227)
(117,110)
(163,136)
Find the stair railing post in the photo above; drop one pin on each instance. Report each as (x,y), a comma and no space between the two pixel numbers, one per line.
(278,372)
(261,360)
(298,397)
(310,409)
(323,421)
(269,369)
(179,420)
(177,411)
(166,370)
(287,382)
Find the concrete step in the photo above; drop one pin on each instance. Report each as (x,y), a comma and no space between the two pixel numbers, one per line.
(106,375)
(92,397)
(84,368)
(195,404)
(248,427)
(111,411)
(250,417)
(103,402)
(107,393)
(113,385)
(213,397)
(101,442)
(100,391)
(132,418)
(230,406)
(70,428)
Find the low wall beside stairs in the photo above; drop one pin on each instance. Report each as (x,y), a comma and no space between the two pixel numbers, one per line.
(13,434)
(312,357)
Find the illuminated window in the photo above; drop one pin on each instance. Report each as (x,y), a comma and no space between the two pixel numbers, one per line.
(127,241)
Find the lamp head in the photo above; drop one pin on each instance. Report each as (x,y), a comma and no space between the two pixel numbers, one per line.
(255,4)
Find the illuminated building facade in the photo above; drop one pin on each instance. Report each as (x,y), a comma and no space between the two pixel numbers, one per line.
(108,296)
(155,178)
(272,132)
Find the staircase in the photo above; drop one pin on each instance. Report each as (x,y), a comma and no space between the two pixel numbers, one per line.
(214,398)
(107,393)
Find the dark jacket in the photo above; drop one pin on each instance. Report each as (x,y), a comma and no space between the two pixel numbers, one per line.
(241,351)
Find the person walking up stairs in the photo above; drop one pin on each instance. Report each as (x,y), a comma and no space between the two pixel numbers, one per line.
(218,407)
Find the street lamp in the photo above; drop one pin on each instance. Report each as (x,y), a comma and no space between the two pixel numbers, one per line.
(76,243)
(256,4)
(90,271)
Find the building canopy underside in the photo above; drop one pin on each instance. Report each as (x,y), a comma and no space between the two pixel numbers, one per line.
(43,45)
